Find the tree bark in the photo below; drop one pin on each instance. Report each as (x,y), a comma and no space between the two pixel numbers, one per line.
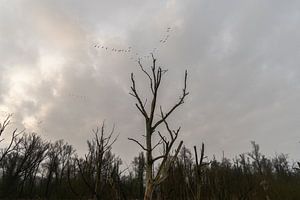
(149,191)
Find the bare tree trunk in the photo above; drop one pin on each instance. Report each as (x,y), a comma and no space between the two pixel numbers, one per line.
(49,178)
(149,166)
(149,191)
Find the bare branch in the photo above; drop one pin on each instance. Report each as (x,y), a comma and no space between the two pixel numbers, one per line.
(5,124)
(138,143)
(158,143)
(163,138)
(141,110)
(135,94)
(166,124)
(181,101)
(178,148)
(13,140)
(165,164)
(148,75)
(153,71)
(158,157)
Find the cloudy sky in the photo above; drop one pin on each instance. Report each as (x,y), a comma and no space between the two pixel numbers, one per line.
(243,59)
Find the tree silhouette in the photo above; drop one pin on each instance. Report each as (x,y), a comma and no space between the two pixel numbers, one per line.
(154,77)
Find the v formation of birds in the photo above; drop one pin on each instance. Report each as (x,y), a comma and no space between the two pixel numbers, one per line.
(128,51)
(134,55)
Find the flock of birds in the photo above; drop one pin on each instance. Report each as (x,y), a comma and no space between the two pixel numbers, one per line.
(134,55)
(78,96)
(113,49)
(129,51)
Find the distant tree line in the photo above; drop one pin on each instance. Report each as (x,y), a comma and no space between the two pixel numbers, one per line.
(33,168)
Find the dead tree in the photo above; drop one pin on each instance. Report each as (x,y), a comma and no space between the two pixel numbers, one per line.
(151,125)
(97,161)
(12,144)
(58,155)
(21,166)
(200,167)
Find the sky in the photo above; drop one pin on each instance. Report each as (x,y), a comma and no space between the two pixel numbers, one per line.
(242,57)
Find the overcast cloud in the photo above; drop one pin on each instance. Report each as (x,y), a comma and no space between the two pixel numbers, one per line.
(243,59)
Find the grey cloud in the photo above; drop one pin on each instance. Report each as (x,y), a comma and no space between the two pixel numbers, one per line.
(242,59)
